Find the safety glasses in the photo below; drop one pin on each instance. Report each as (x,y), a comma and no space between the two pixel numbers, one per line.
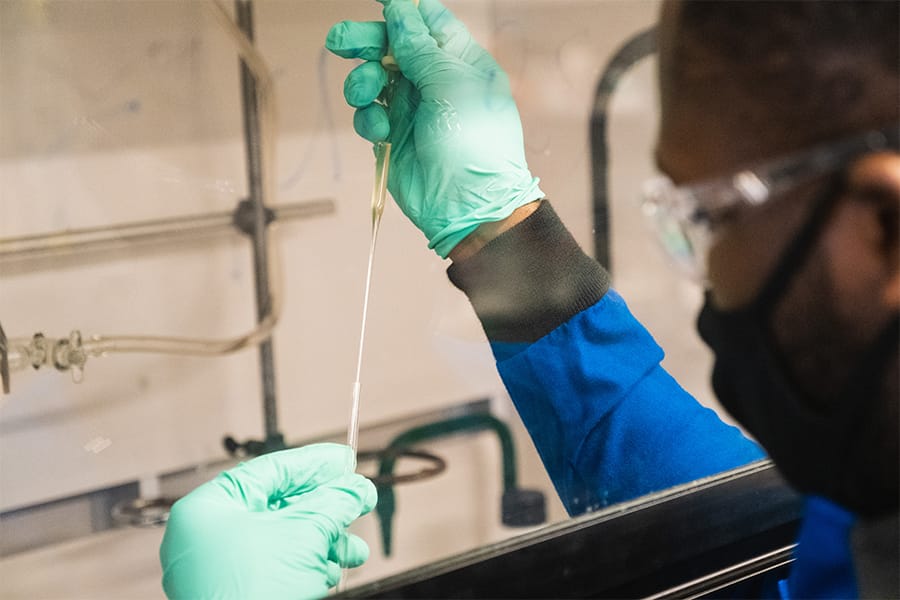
(686,217)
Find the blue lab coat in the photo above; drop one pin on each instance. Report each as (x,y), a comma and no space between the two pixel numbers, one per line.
(609,422)
(611,425)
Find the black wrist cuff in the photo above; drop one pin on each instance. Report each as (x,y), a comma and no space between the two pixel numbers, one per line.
(529,280)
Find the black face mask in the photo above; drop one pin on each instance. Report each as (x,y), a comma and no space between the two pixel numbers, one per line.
(830,451)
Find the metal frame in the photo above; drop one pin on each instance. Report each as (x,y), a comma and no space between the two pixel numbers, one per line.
(695,540)
(59,244)
(274,439)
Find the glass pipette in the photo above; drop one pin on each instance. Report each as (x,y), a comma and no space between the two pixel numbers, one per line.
(379,195)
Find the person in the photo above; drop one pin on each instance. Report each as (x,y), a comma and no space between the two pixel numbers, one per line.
(779,144)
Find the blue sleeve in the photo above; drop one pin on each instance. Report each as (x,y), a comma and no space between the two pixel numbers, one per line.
(609,423)
(824,563)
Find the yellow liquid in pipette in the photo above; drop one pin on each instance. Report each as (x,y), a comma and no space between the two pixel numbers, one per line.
(379,195)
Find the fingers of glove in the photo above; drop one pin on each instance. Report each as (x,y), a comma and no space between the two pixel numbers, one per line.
(349,551)
(336,504)
(270,478)
(351,39)
(364,84)
(453,36)
(332,573)
(414,48)
(372,123)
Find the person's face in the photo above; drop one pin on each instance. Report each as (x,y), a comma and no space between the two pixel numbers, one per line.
(844,293)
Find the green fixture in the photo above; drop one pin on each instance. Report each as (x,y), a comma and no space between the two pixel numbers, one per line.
(520,507)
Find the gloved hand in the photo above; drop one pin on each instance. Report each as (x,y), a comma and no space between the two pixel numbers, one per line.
(458,156)
(269,528)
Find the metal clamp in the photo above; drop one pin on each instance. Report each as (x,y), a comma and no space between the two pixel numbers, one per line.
(143,512)
(245,216)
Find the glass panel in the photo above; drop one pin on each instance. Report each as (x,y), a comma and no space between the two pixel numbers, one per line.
(119,113)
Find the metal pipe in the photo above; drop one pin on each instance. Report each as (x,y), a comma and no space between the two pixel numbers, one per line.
(168,230)
(4,363)
(635,49)
(253,150)
(462,424)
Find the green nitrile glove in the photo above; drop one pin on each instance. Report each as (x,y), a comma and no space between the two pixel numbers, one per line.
(458,157)
(269,528)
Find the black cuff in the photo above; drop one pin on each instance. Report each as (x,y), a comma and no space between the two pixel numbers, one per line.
(530,280)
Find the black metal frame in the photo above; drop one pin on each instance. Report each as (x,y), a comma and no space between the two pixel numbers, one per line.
(730,534)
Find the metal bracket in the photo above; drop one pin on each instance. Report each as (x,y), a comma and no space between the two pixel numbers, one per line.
(142,512)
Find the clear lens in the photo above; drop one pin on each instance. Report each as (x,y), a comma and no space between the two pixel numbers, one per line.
(686,219)
(673,216)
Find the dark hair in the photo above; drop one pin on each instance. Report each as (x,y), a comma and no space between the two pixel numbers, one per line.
(819,68)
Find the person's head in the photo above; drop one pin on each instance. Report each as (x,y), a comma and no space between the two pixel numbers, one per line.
(745,83)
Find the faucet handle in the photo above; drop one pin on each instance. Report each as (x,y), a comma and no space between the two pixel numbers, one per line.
(4,361)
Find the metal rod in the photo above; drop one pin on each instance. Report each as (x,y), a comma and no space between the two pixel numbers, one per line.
(161,231)
(253,146)
(4,363)
(634,50)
